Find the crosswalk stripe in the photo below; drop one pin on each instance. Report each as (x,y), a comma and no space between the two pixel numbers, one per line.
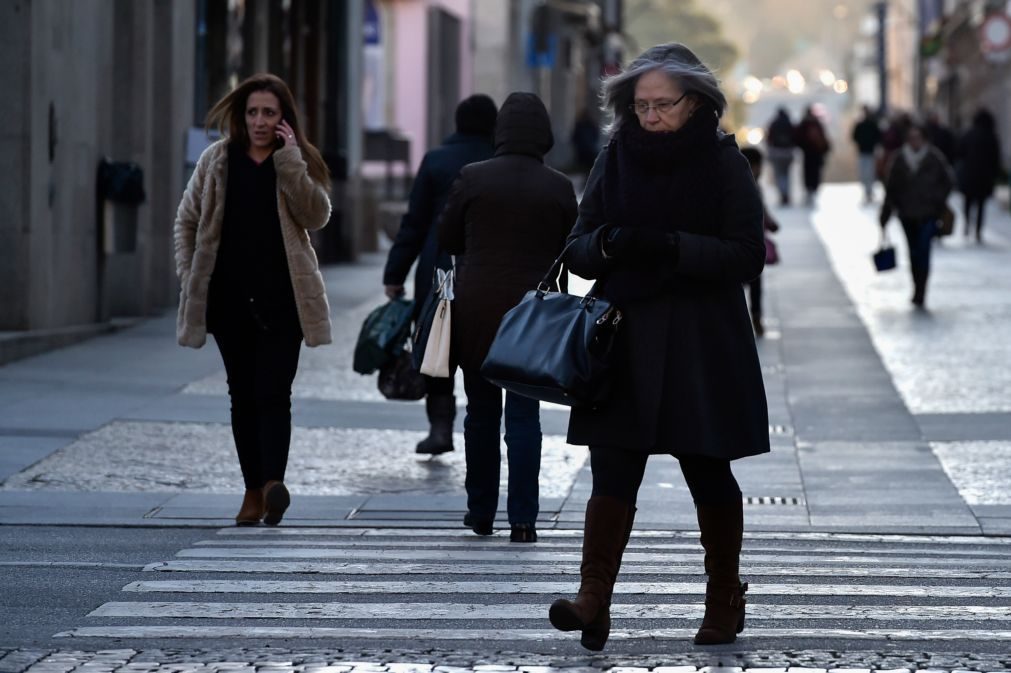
(497,591)
(452,611)
(332,531)
(575,547)
(551,588)
(338,568)
(510,554)
(420,635)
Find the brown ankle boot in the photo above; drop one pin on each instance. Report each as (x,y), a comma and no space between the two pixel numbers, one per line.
(252,508)
(275,501)
(722,528)
(605,534)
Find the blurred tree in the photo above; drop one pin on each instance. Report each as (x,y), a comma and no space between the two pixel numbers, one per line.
(650,22)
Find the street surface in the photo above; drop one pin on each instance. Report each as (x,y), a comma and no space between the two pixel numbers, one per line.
(877,535)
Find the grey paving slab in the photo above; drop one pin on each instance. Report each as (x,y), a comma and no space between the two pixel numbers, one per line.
(110,508)
(965,426)
(19,452)
(221,506)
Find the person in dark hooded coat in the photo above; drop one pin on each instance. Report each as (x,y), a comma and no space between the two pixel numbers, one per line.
(417,239)
(671,225)
(978,167)
(506,220)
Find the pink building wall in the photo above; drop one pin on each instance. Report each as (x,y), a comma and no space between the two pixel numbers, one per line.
(408,62)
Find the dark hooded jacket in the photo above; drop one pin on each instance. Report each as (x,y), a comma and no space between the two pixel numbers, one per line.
(417,238)
(506,219)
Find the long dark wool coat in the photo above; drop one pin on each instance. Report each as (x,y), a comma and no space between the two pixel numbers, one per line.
(418,237)
(688,377)
(506,220)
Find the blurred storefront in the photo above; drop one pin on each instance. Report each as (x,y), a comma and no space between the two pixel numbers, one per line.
(970,66)
(559,49)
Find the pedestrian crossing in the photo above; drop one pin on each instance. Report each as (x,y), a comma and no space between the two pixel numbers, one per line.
(438,586)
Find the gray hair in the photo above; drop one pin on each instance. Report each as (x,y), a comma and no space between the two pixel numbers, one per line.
(673,59)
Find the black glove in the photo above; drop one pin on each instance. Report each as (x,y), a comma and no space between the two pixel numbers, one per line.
(640,244)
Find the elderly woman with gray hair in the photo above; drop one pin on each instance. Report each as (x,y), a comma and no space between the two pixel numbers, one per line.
(671,225)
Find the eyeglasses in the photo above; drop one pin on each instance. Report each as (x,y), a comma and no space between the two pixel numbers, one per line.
(662,107)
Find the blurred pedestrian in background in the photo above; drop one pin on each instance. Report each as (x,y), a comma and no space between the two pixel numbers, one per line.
(249,274)
(671,225)
(867,136)
(917,188)
(417,239)
(585,141)
(754,157)
(813,143)
(782,141)
(506,220)
(892,139)
(978,167)
(940,136)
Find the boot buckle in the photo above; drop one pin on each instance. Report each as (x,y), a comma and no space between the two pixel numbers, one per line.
(737,598)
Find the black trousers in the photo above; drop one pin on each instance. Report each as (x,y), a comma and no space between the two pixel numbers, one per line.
(618,474)
(979,205)
(260,365)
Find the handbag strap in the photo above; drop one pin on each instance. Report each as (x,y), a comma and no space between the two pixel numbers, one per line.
(544,286)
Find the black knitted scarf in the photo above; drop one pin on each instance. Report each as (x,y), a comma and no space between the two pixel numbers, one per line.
(665,180)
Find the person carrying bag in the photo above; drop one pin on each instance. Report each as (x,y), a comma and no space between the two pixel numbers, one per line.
(433,335)
(506,221)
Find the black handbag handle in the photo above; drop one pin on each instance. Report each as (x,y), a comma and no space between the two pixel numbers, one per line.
(544,286)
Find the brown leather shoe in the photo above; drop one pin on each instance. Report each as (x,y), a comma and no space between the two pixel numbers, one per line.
(252,508)
(275,502)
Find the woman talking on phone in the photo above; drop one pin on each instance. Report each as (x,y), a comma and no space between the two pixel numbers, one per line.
(249,275)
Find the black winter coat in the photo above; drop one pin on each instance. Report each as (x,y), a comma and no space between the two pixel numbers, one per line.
(417,238)
(919,194)
(688,377)
(978,163)
(506,220)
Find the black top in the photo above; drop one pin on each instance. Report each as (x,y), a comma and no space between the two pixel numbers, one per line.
(251,277)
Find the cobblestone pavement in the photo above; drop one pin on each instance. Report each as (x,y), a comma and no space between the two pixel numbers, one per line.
(322,660)
(199,458)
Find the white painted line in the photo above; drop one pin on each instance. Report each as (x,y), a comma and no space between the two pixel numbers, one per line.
(534,635)
(551,588)
(510,553)
(483,544)
(446,611)
(342,568)
(462,533)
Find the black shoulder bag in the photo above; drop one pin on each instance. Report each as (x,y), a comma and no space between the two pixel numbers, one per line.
(555,347)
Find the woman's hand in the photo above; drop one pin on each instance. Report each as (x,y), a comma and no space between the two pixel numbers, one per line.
(640,243)
(286,134)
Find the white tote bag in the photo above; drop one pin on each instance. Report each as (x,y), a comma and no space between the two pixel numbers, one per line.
(436,360)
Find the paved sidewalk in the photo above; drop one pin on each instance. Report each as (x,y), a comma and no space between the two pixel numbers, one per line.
(129,429)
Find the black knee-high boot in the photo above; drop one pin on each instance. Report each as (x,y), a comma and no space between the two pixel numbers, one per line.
(605,535)
(722,528)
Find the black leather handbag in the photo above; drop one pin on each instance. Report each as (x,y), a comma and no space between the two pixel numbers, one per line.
(555,347)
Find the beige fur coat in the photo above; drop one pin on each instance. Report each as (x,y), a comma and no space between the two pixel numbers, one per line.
(303,205)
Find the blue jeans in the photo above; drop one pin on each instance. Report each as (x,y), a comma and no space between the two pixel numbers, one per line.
(919,237)
(481,434)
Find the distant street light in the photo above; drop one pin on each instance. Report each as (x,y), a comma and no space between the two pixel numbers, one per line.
(841,86)
(795,82)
